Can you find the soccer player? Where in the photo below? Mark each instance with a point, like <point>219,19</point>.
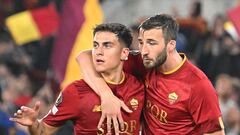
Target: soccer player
<point>79,103</point>
<point>180,99</point>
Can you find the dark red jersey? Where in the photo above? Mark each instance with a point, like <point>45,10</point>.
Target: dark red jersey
<point>180,102</point>
<point>79,103</point>
<point>134,66</point>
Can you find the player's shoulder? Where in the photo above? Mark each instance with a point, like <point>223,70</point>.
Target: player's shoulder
<point>80,83</point>
<point>133,82</point>
<point>131,78</point>
<point>77,86</point>
<point>199,81</point>
<point>195,74</point>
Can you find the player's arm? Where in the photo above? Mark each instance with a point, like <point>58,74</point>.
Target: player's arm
<point>28,117</point>
<point>221,132</point>
<point>205,109</point>
<point>90,75</point>
<point>110,104</point>
<point>41,128</point>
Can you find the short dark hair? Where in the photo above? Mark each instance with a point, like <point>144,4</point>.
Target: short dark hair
<point>122,32</point>
<point>165,22</point>
<point>197,9</point>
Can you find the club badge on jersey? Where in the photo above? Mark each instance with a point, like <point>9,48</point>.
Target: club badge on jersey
<point>172,97</point>
<point>134,103</point>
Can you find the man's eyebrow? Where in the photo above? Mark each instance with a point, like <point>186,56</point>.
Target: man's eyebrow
<point>108,42</point>
<point>151,39</point>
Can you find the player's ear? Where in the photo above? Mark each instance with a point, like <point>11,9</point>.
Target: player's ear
<point>125,53</point>
<point>171,45</point>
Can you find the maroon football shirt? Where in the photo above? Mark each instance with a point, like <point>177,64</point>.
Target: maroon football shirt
<point>79,103</point>
<point>179,102</point>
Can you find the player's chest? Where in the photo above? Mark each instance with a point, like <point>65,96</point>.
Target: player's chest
<point>91,105</point>
<point>167,99</point>
<point>91,113</point>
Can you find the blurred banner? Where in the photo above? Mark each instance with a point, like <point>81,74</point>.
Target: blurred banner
<point>32,25</point>
<point>230,28</point>
<point>78,19</point>
<point>234,17</point>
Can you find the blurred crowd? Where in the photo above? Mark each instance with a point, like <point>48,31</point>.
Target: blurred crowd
<point>26,74</point>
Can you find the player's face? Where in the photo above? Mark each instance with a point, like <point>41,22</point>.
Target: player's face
<point>107,52</point>
<point>152,47</point>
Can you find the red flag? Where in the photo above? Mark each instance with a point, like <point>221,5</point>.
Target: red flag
<point>47,19</point>
<point>78,19</point>
<point>31,25</point>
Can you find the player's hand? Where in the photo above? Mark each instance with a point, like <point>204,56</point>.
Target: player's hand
<point>111,109</point>
<point>26,116</point>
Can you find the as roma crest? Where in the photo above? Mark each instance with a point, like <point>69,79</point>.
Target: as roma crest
<point>172,97</point>
<point>134,103</point>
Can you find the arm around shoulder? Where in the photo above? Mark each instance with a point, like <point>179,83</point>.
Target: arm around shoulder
<point>110,104</point>
<point>90,75</point>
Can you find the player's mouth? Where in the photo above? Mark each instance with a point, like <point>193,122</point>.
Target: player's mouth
<point>99,61</point>
<point>146,59</point>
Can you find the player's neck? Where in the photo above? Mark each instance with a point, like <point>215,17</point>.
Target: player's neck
<point>114,77</point>
<point>174,60</point>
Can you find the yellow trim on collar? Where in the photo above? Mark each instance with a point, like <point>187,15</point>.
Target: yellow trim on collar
<point>180,65</point>
<point>111,82</point>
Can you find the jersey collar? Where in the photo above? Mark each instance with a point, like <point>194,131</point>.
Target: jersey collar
<point>114,83</point>
<point>179,66</point>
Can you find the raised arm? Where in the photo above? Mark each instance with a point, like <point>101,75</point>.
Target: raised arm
<point>28,117</point>
<point>93,79</point>
<point>110,104</point>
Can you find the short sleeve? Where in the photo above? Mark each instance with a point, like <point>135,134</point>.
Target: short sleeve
<point>204,107</point>
<point>63,108</point>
